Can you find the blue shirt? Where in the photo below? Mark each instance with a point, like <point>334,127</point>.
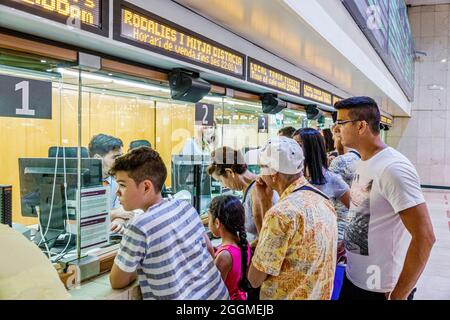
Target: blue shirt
<point>167,248</point>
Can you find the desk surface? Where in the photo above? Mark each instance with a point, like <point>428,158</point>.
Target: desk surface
<point>99,288</point>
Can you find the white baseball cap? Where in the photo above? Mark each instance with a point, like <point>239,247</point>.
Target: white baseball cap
<point>283,155</point>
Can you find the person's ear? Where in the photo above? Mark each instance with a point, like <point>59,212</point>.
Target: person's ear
<point>274,176</point>
<point>217,223</point>
<point>147,186</point>
<point>97,156</point>
<point>363,127</point>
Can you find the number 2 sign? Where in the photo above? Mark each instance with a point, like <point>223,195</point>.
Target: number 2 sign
<point>25,98</point>
<point>204,114</point>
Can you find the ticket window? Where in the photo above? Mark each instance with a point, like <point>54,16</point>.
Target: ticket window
<point>39,123</point>
<point>287,118</point>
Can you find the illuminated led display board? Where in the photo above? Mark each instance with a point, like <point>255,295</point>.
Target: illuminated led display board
<point>386,25</point>
<point>316,94</point>
<point>88,15</point>
<point>260,73</point>
<point>336,99</point>
<point>143,29</point>
<point>387,121</point>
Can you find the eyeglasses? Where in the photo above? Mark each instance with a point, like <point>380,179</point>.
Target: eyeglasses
<point>342,122</point>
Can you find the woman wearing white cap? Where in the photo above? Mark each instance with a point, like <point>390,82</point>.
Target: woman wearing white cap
<point>230,169</point>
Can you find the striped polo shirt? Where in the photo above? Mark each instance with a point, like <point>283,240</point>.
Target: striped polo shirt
<point>167,248</point>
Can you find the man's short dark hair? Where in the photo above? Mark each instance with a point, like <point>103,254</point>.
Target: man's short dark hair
<point>362,108</point>
<point>101,144</point>
<point>140,143</point>
<point>141,164</point>
<point>286,132</point>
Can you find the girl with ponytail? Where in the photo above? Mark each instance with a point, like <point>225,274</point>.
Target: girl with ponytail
<point>232,257</point>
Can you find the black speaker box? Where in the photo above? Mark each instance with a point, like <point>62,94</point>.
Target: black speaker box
<point>312,112</point>
<point>188,87</point>
<point>272,104</point>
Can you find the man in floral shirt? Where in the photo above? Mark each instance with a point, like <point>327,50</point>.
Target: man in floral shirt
<point>296,254</point>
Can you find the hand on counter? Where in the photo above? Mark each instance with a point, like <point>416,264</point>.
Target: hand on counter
<point>120,213</point>
<point>118,225</point>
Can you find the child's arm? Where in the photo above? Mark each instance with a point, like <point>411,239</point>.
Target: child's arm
<point>209,245</point>
<point>224,263</point>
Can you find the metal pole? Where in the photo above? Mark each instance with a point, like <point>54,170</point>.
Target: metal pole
<point>79,164</point>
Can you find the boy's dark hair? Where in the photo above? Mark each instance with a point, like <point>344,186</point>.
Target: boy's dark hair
<point>141,164</point>
<point>287,132</point>
<point>362,108</point>
<point>231,213</point>
<point>315,155</point>
<point>101,144</point>
<point>226,158</point>
<point>139,143</point>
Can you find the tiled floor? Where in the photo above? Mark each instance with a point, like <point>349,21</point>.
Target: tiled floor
<point>435,280</point>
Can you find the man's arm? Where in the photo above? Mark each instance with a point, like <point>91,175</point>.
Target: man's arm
<point>120,279</point>
<point>261,196</point>
<point>256,277</point>
<point>417,222</point>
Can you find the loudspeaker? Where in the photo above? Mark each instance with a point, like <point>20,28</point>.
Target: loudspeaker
<point>187,86</point>
<point>312,112</point>
<point>272,104</point>
<point>6,205</point>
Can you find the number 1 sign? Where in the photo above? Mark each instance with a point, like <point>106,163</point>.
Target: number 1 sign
<point>25,98</point>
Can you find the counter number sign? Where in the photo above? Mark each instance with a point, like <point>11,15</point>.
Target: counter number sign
<point>25,98</point>
<point>263,123</point>
<point>204,114</point>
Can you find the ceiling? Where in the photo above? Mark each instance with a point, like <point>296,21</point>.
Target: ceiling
<point>274,26</point>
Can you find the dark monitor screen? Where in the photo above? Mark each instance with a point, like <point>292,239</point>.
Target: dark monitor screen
<point>42,179</point>
<point>189,172</point>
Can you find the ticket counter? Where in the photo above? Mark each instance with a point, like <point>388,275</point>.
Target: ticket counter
<point>55,108</point>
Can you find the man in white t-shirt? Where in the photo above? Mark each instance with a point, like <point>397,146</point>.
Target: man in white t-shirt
<point>386,204</point>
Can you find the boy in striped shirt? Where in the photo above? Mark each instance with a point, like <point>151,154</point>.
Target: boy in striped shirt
<point>166,247</point>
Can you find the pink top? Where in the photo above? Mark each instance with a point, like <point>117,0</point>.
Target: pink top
<point>234,275</point>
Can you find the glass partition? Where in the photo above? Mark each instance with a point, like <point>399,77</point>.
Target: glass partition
<point>57,173</point>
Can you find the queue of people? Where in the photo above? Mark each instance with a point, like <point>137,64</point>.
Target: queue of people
<point>284,239</point>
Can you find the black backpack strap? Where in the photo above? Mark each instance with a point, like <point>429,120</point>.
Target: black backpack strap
<point>247,190</point>
<point>355,152</point>
<point>308,188</point>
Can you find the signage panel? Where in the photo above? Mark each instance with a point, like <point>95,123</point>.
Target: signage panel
<point>143,29</point>
<point>316,94</point>
<point>88,15</point>
<point>260,73</point>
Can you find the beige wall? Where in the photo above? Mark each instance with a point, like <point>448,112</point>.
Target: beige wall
<point>425,137</point>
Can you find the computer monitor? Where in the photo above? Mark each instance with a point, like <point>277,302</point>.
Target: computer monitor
<point>67,152</point>
<point>189,172</point>
<point>42,186</point>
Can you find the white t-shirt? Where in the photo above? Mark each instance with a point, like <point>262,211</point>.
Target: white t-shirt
<point>376,239</point>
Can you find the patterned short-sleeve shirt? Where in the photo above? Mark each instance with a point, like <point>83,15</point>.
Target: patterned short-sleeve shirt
<point>297,246</point>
